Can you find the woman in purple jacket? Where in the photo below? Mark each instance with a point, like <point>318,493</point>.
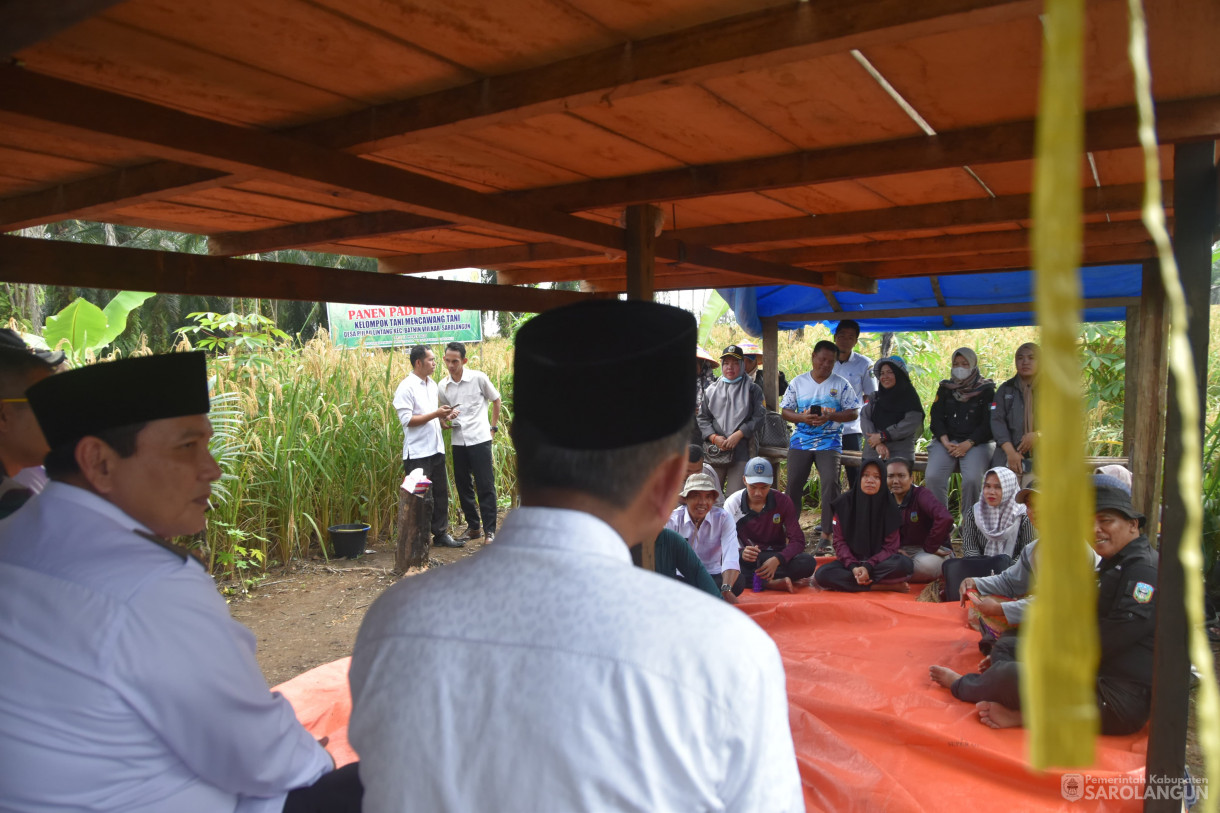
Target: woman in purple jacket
<point>867,532</point>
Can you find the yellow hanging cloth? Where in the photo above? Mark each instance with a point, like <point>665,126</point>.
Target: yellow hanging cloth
<point>1059,641</point>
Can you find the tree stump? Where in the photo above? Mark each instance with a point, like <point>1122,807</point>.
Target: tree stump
<point>414,542</point>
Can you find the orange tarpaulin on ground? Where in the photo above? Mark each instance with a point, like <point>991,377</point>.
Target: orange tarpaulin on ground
<point>872,732</point>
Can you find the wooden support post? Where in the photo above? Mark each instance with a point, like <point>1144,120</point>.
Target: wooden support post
<point>1131,376</point>
<point>414,540</point>
<point>770,341</point>
<point>641,222</point>
<point>1194,170</point>
<point>1146,392</point>
<point>940,299</point>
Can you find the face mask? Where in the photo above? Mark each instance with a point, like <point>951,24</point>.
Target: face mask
<point>961,373</point>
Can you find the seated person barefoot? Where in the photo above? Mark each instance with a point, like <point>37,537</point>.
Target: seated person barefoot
<point>674,557</point>
<point>1126,618</point>
<point>769,531</point>
<point>926,524</point>
<point>710,531</point>
<point>867,533</point>
<point>994,532</point>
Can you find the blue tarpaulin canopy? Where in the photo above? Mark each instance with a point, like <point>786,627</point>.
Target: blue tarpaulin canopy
<point>752,305</point>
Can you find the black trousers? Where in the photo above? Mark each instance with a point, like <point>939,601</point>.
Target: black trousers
<point>834,575</point>
<point>339,791</point>
<point>434,469</point>
<point>473,472</point>
<point>801,567</point>
<point>957,570</point>
<point>1124,705</point>
<point>851,443</point>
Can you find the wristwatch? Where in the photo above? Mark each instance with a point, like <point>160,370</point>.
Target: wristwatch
<point>495,429</point>
<point>724,588</point>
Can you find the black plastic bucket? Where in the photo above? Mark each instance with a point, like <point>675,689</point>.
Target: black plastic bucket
<point>347,541</point>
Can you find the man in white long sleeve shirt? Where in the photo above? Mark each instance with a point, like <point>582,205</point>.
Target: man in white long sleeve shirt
<point>127,685</point>
<point>710,531</point>
<point>547,673</point>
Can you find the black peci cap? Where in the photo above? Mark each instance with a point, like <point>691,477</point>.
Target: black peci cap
<point>92,399</point>
<point>579,377</point>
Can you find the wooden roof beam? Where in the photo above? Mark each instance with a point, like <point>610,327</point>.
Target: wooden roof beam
<point>788,33</point>
<point>52,262</point>
<point>949,311</point>
<point>990,242</point>
<point>1115,128</point>
<point>183,137</point>
<point>28,22</point>
<point>1000,261</point>
<point>219,146</point>
<point>318,232</point>
<point>495,257</point>
<point>977,212</point>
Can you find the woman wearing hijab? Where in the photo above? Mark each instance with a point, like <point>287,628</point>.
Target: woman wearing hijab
<point>994,532</point>
<point>1012,420</point>
<point>894,418</point>
<point>961,430</point>
<point>866,533</point>
<point>729,416</point>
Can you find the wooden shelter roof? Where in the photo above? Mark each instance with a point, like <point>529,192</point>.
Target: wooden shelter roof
<point>827,143</point>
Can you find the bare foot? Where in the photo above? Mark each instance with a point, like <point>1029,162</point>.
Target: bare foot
<point>997,716</point>
<point>781,584</point>
<point>985,664</point>
<point>805,582</point>
<point>943,675</point>
<point>893,587</point>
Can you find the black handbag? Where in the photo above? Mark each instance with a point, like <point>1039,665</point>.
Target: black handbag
<point>773,436</point>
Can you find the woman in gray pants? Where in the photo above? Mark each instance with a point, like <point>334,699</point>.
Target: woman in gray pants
<point>961,430</point>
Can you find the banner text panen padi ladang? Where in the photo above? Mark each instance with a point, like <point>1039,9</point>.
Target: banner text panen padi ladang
<point>393,310</point>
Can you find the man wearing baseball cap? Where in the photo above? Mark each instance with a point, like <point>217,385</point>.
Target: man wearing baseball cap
<point>547,672</point>
<point>709,530</point>
<point>128,686</point>
<point>769,532</point>
<point>1126,618</point>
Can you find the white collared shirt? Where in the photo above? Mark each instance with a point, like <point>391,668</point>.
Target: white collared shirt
<point>715,540</point>
<point>418,396</point>
<point>858,371</point>
<point>127,684</point>
<point>471,397</point>
<point>602,687</point>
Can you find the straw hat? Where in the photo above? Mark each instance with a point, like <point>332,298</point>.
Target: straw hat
<point>700,353</point>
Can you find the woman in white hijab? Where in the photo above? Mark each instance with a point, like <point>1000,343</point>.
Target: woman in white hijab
<point>994,531</point>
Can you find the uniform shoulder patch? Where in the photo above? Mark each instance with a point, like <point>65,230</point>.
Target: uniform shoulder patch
<point>776,519</point>
<point>914,516</point>
<point>1143,592</point>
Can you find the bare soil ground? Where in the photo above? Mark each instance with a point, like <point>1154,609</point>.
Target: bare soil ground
<point>308,613</point>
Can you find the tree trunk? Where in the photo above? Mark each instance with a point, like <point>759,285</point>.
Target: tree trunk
<point>887,342</point>
<point>414,541</point>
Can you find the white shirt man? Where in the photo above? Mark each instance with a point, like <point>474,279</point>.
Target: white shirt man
<point>470,392</point>
<point>417,402</point>
<point>572,680</point>
<point>709,530</point>
<point>127,685</point>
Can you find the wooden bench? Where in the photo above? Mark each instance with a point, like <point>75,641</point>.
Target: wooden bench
<point>921,460</point>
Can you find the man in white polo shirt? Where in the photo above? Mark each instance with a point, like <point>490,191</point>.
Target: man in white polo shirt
<point>469,392</point>
<point>417,403</point>
<point>858,370</point>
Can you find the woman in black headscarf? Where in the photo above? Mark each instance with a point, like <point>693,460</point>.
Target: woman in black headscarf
<point>866,538</point>
<point>893,419</point>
